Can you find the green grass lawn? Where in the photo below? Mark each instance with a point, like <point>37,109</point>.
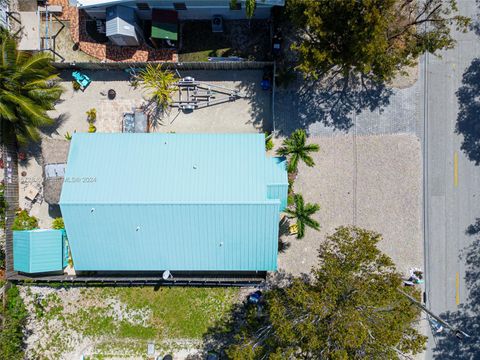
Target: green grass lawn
<point>180,312</point>
<point>123,320</point>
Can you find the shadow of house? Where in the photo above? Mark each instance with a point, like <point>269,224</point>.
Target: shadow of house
<point>467,318</point>
<point>332,101</point>
<point>468,115</point>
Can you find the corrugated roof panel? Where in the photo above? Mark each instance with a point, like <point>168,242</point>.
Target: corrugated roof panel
<point>107,168</point>
<point>204,237</point>
<point>37,251</point>
<point>172,202</point>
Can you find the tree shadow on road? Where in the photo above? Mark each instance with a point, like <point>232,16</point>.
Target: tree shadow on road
<point>331,101</point>
<point>468,123</point>
<point>467,318</point>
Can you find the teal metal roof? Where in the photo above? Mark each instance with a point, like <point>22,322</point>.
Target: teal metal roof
<point>37,251</point>
<point>173,202</point>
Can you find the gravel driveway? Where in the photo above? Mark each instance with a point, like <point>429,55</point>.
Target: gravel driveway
<point>376,184</point>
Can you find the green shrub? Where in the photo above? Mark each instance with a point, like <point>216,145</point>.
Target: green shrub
<point>268,142</point>
<point>58,224</point>
<point>23,221</point>
<point>290,200</point>
<point>91,115</point>
<point>92,128</point>
<point>11,336</point>
<point>75,85</point>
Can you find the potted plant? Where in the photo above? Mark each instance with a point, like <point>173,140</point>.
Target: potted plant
<point>22,156</point>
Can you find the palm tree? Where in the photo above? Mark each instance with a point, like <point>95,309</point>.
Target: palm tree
<point>160,84</point>
<point>297,149</point>
<point>28,89</point>
<point>303,212</point>
<point>250,6</point>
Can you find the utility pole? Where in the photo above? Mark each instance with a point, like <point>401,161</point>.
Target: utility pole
<point>457,332</point>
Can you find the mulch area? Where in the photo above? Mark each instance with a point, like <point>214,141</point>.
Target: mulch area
<point>107,52</point>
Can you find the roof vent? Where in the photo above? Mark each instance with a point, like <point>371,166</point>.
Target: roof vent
<point>92,210</point>
<point>195,167</point>
<point>138,228</point>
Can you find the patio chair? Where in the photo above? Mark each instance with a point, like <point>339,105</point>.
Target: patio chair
<point>82,79</point>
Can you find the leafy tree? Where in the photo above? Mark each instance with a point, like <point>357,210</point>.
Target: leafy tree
<point>297,149</point>
<point>11,335</point>
<point>28,89</point>
<point>23,221</point>
<point>160,85</point>
<point>303,214</point>
<point>350,309</point>
<point>58,224</point>
<point>370,37</point>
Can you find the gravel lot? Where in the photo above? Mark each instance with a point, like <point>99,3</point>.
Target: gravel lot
<point>377,187</point>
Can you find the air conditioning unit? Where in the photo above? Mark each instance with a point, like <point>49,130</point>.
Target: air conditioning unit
<point>217,24</point>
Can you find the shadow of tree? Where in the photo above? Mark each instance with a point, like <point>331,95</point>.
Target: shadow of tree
<point>467,318</point>
<point>469,104</point>
<point>331,101</point>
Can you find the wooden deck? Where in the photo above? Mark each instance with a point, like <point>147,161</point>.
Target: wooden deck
<point>11,196</point>
<point>141,279</point>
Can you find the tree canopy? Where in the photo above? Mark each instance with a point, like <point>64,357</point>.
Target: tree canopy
<point>28,89</point>
<point>370,37</point>
<point>350,309</point>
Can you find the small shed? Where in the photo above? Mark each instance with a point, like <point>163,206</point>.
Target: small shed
<point>39,251</point>
<point>121,27</point>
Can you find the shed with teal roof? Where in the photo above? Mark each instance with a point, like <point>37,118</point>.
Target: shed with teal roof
<point>39,251</point>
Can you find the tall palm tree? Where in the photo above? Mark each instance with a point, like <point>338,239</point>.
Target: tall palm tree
<point>297,149</point>
<point>28,89</point>
<point>303,214</point>
<point>160,84</point>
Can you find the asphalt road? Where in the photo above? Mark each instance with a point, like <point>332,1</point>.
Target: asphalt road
<point>452,181</point>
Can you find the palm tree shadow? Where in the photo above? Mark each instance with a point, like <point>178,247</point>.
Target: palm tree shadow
<point>467,317</point>
<point>283,232</point>
<point>469,104</point>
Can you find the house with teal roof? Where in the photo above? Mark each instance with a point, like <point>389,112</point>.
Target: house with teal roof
<point>176,202</point>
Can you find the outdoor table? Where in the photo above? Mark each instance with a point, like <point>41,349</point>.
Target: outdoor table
<point>31,192</point>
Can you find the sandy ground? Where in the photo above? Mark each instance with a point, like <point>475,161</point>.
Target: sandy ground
<point>377,187</point>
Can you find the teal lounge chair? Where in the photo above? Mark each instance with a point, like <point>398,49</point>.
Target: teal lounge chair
<point>82,79</point>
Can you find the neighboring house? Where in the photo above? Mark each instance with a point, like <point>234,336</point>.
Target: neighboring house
<point>177,202</point>
<point>187,9</point>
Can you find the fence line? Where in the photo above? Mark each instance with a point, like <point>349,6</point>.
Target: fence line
<point>203,65</point>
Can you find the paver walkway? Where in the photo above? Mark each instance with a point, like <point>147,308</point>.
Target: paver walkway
<point>383,111</point>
